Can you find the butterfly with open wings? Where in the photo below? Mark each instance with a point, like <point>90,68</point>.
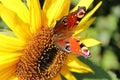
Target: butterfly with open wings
<point>64,30</point>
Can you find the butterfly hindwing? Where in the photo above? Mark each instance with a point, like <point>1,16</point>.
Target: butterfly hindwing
<point>75,46</point>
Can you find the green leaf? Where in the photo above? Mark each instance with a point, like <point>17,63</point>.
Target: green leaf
<point>3,25</point>
<point>99,73</point>
<point>74,2</point>
<point>113,76</point>
<point>7,32</point>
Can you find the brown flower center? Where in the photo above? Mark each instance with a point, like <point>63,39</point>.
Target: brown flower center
<point>42,60</point>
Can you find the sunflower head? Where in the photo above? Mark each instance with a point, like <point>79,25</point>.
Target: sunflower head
<point>41,59</point>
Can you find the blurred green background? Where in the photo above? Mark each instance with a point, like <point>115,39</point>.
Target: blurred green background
<point>105,60</point>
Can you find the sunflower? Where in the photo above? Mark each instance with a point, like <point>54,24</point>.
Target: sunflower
<point>31,54</point>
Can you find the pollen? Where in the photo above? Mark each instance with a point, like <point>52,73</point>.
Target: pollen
<point>41,60</point>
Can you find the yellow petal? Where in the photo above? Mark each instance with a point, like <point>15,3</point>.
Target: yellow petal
<point>28,3</point>
<point>18,7</point>
<point>8,44</point>
<point>85,3</point>
<point>76,65</point>
<point>14,78</point>
<point>55,9</point>
<point>8,59</point>
<point>11,58</point>
<point>46,12</point>
<point>44,19</point>
<point>63,10</point>
<point>58,77</point>
<point>7,32</point>
<point>80,29</point>
<point>68,75</point>
<point>89,42</point>
<point>7,74</point>
<point>35,15</point>
<point>87,16</point>
<point>20,28</point>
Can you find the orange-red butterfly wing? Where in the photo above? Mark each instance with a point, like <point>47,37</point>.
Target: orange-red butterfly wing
<point>75,46</point>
